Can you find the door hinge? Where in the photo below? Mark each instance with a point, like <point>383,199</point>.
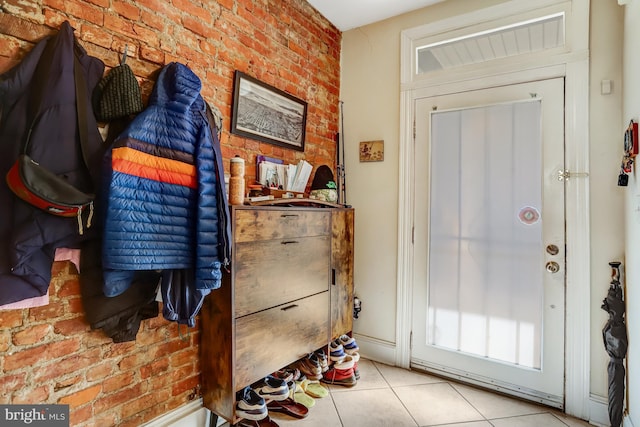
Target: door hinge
<point>414,129</point>
<point>413,235</point>
<point>411,340</point>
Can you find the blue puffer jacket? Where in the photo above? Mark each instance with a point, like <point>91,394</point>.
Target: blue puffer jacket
<point>165,205</point>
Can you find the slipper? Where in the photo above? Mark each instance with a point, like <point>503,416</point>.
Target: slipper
<point>313,388</point>
<point>300,396</point>
<point>289,407</point>
<point>265,422</point>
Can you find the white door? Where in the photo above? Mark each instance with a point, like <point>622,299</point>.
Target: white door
<point>489,260</point>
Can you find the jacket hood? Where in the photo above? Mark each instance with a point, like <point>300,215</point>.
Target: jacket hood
<point>177,87</point>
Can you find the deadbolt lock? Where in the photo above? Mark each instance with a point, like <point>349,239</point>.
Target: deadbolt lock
<point>553,267</point>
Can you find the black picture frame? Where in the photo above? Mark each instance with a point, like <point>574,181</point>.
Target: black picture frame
<point>267,114</point>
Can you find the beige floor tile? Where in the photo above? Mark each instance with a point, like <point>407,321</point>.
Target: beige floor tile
<point>438,403</point>
<point>471,424</point>
<point>370,378</point>
<point>493,405</point>
<point>538,420</point>
<point>397,377</point>
<point>371,408</point>
<point>570,421</point>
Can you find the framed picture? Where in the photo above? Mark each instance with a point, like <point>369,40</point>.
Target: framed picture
<point>265,113</point>
<point>372,151</point>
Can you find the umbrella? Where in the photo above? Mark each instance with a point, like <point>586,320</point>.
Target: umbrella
<point>614,335</point>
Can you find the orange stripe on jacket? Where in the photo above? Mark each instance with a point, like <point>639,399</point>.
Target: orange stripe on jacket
<point>137,163</point>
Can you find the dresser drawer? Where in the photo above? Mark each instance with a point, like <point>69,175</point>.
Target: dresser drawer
<point>272,272</point>
<point>267,224</point>
<point>271,339</point>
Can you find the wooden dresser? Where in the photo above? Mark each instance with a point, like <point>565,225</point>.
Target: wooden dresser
<point>289,293</point>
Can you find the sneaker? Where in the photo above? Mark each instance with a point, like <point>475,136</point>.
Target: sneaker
<point>336,351</point>
<point>346,363</point>
<point>344,377</point>
<point>310,367</point>
<point>287,374</point>
<point>250,405</point>
<point>324,361</point>
<point>356,371</point>
<point>349,344</point>
<point>272,388</point>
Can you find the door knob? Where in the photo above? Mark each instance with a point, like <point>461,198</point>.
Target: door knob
<point>553,267</point>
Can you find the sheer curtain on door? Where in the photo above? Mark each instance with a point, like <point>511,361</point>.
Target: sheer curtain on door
<point>485,232</point>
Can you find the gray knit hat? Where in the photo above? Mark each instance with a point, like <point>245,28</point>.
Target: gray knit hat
<point>117,94</point>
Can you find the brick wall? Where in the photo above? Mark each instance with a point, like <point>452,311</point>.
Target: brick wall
<point>49,354</point>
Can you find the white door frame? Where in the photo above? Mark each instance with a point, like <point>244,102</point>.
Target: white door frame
<point>572,63</point>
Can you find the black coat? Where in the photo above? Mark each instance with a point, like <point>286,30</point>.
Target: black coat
<point>28,236</point>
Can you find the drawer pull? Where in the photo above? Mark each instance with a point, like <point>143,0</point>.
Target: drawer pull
<point>287,242</point>
<point>289,307</point>
<point>289,216</point>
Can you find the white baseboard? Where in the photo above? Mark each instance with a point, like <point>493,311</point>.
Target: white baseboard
<point>375,349</point>
<point>598,411</point>
<point>193,414</point>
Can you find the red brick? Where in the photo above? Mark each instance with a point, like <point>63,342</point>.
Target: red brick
<point>32,356</point>
<point>66,383</point>
<point>117,382</point>
<point>22,7</point>
<point>153,55</point>
<point>10,383</point>
<point>130,362</point>
<point>31,335</point>
<point>62,367</point>
<point>80,397</point>
<point>69,287</point>
<point>187,384</point>
<point>5,340</point>
<point>11,318</point>
<point>75,326</point>
<point>79,415</point>
<point>156,397</point>
<point>101,3</point>
<point>192,9</point>
<point>36,395</point>
<point>147,337</point>
<point>154,368</point>
<point>152,20</point>
<point>100,371</point>
<point>126,10</point>
<point>162,7</point>
<point>119,349</point>
<point>187,356</point>
<point>55,308</point>
<point>118,398</point>
<point>22,29</point>
<point>198,27</point>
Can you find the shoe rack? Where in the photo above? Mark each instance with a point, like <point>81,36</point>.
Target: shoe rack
<point>289,293</point>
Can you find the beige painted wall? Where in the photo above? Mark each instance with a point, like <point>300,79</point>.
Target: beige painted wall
<point>605,134</point>
<point>371,95</point>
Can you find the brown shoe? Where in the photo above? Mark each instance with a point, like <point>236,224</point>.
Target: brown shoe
<point>310,367</point>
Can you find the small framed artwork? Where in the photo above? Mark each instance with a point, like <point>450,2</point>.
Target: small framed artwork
<point>372,151</point>
<point>267,114</point>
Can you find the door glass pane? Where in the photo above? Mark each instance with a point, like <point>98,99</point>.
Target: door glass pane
<point>485,263</point>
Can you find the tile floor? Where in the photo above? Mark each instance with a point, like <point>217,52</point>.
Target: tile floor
<point>387,396</point>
